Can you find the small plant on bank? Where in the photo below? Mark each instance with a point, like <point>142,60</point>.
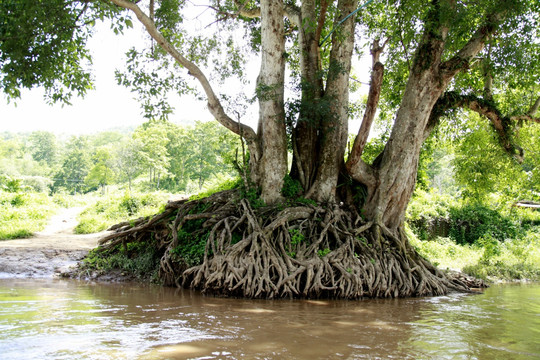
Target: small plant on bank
<point>291,187</point>
<point>296,236</point>
<point>139,260</point>
<point>324,252</point>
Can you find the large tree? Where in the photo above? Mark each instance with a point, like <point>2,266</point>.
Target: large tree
<point>440,55</point>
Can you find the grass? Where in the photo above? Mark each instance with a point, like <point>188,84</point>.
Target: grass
<point>489,259</point>
<point>515,259</point>
<point>115,208</point>
<point>22,214</point>
<point>492,241</point>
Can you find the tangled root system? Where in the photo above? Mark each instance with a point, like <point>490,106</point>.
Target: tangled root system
<point>296,251</point>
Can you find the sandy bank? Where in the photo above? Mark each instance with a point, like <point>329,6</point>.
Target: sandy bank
<point>48,253</point>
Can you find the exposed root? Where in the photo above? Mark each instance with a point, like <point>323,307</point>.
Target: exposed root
<point>302,251</point>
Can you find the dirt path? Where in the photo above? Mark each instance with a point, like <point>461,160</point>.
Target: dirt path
<point>48,253</point>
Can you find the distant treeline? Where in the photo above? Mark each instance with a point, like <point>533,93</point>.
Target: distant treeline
<point>156,155</point>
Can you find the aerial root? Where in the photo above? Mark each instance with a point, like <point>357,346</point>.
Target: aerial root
<point>303,251</point>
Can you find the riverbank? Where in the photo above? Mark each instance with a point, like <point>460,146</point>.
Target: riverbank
<point>48,253</point>
<point>57,250</point>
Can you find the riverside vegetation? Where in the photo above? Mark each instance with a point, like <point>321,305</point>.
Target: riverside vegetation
<point>477,232</point>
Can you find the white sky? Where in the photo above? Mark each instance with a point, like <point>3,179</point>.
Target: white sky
<point>109,105</point>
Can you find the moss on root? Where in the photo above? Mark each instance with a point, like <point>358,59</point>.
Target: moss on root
<point>221,245</point>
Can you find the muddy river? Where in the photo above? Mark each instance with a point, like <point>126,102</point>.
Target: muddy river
<point>60,319</point>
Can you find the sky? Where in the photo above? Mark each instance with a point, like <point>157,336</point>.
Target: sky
<point>109,105</point>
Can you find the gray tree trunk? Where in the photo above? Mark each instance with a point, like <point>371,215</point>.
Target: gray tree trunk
<point>334,128</point>
<point>272,166</point>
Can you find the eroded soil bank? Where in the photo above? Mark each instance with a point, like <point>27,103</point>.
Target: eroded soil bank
<point>51,252</point>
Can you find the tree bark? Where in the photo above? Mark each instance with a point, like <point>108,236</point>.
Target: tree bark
<point>334,128</point>
<point>270,88</point>
<point>305,134</point>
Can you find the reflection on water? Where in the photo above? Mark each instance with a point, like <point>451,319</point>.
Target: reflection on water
<point>58,319</point>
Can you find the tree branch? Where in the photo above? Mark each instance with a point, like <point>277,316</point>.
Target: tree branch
<point>322,18</point>
<point>291,12</point>
<point>462,60</point>
<point>525,117</point>
<point>371,108</point>
<point>214,105</point>
<point>501,123</point>
<point>249,13</point>
<point>534,108</point>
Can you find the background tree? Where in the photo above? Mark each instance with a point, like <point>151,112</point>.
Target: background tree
<point>179,147</point>
<point>43,44</point>
<point>101,172</point>
<point>75,166</point>
<point>128,160</point>
<point>209,144</point>
<point>154,155</point>
<point>44,147</point>
<point>16,158</point>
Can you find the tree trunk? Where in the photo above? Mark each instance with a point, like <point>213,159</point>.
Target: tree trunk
<point>334,127</point>
<point>305,133</point>
<point>272,166</point>
<point>387,202</point>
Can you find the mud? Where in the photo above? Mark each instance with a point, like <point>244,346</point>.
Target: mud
<point>49,253</point>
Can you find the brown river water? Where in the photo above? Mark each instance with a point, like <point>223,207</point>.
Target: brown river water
<point>62,319</point>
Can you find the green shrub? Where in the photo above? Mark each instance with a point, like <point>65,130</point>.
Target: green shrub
<point>19,200</point>
<point>37,183</point>
<point>471,222</point>
<point>488,259</point>
<point>428,214</point>
<point>444,253</point>
<point>190,249</point>
<point>323,252</point>
<point>252,194</point>
<point>90,225</point>
<point>130,205</point>
<point>291,187</point>
<point>296,236</point>
<point>10,184</point>
<point>513,259</point>
<point>139,259</point>
<point>192,239</point>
